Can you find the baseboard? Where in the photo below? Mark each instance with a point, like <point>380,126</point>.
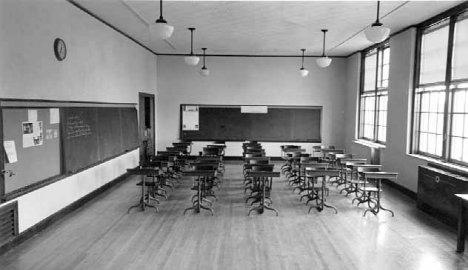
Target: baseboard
<point>22,237</point>
<point>413,195</point>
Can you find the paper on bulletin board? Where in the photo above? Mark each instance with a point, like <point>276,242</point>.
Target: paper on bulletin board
<point>10,151</point>
<point>32,134</point>
<point>32,115</point>
<point>190,118</point>
<point>54,116</point>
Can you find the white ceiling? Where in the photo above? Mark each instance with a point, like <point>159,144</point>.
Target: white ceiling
<point>261,27</point>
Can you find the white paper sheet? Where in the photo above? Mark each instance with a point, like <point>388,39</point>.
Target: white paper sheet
<point>190,118</point>
<point>10,151</point>
<point>54,115</point>
<point>32,115</point>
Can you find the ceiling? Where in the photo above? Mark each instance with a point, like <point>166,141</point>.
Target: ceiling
<point>261,27</point>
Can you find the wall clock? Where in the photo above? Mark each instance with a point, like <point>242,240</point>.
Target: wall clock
<point>60,49</point>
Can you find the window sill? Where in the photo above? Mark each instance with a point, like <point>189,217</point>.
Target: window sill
<point>442,163</point>
<point>370,144</point>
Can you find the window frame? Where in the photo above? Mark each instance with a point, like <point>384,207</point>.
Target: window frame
<point>378,92</point>
<point>452,16</point>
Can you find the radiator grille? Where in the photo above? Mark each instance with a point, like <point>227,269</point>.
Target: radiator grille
<point>8,222</point>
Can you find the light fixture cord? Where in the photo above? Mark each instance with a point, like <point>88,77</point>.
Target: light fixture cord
<point>303,58</point>
<point>160,10</point>
<point>204,50</point>
<point>378,9</point>
<point>323,51</point>
<point>191,41</point>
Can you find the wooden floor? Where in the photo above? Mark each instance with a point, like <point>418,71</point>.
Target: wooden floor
<point>101,235</point>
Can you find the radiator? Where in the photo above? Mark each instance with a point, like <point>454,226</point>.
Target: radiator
<point>8,222</point>
<point>436,189</point>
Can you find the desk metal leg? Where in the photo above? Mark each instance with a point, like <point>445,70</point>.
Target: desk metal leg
<point>461,227</point>
<point>321,202</point>
<point>376,209</point>
<point>143,204</point>
<point>198,203</point>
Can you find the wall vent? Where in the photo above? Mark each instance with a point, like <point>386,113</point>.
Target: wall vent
<point>8,222</point>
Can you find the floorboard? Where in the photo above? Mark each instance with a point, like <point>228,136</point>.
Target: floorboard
<point>101,235</point>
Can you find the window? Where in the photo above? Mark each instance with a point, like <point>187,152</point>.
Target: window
<point>440,125</point>
<point>374,94</point>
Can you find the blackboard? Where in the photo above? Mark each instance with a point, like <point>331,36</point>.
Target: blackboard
<point>34,162</point>
<point>278,124</point>
<point>95,134</point>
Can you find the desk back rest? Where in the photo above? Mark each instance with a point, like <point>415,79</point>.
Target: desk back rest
<point>251,155</point>
<point>204,166</point>
<point>369,168</point>
<point>209,158</point>
<point>265,160</point>
<point>355,162</point>
<point>181,149</point>
<point>262,167</point>
<point>338,156</point>
<point>323,172</point>
<point>315,166</point>
<point>309,159</point>
<point>208,151</point>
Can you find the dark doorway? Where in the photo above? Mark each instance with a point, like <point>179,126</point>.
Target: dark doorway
<point>147,126</point>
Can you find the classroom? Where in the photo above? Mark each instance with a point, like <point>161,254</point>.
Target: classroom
<point>133,141</point>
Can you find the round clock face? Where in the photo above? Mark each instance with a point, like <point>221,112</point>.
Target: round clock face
<point>60,49</point>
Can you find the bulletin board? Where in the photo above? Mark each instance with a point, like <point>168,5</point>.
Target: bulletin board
<point>38,157</point>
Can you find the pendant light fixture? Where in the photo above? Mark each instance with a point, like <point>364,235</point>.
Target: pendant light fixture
<point>377,32</point>
<point>323,61</point>
<point>191,60</point>
<point>303,72</point>
<point>204,71</point>
<point>160,29</point>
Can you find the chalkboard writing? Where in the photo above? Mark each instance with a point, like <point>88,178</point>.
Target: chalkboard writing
<point>76,127</point>
<point>95,134</point>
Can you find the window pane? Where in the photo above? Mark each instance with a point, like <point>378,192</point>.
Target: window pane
<point>460,48</point>
<point>434,53</point>
<point>441,99</point>
<point>457,150</point>
<point>439,145</point>
<point>386,56</point>
<point>423,127</point>
<point>431,143</point>
<point>423,142</point>
<point>432,126</point>
<point>457,125</point>
<point>385,72</point>
<point>369,72</point>
<point>440,123</point>
<point>425,102</point>
<point>459,101</point>
<point>382,134</point>
<point>465,150</point>
<point>433,102</point>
